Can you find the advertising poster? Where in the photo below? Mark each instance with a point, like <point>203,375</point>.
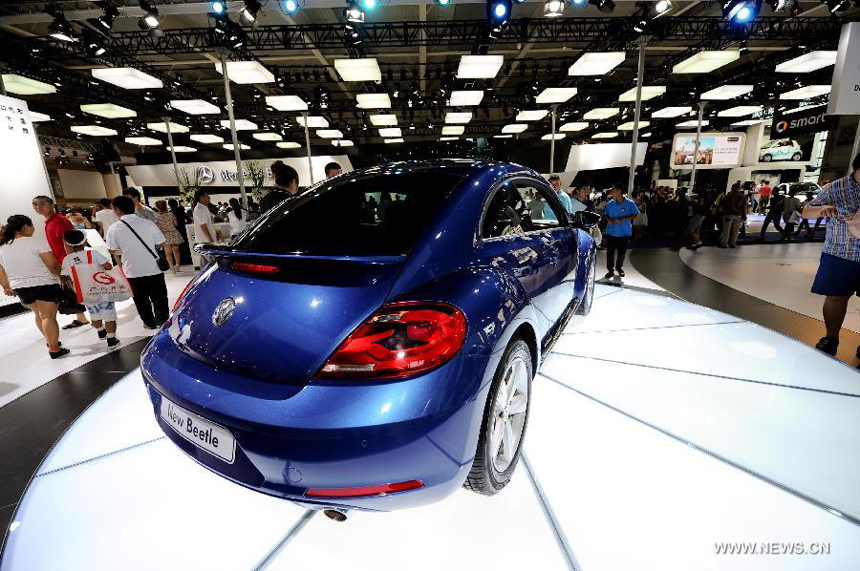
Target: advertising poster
<point>716,150</point>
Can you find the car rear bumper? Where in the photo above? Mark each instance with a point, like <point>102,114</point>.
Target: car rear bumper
<point>291,439</point>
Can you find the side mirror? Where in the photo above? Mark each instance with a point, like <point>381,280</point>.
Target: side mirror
<point>585,219</point>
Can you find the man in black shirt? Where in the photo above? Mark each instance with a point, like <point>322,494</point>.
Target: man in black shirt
<point>774,214</point>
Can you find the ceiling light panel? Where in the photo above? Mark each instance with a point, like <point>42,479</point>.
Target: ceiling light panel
<point>629,125</point>
<point>458,118</point>
<point>806,92</point>
<point>37,117</point>
<point>143,141</point>
<point>740,111</point>
<point>601,113</point>
<point>160,127</point>
<point>465,98</point>
<point>108,110</point>
<point>128,78</point>
<point>535,115</point>
<point>20,85</point>
<point>390,132</point>
<point>383,120</point>
<point>508,136</point>
<point>692,123</point>
<point>670,112</point>
<point>806,63</point>
<point>706,61</point>
<point>207,139</point>
<point>373,101</point>
<point>94,131</point>
<point>555,95</point>
<point>268,136</point>
<point>195,106</point>
<point>746,122</point>
<point>596,63</point>
<point>358,69</point>
<point>479,67</point>
<point>648,92</point>
<point>605,135</point>
<point>453,130</point>
<point>514,128</point>
<point>241,125</point>
<point>289,145</point>
<point>182,149</point>
<point>329,134</point>
<point>342,143</point>
<point>449,138</point>
<point>392,141</point>
<point>314,122</point>
<point>550,136</point>
<point>287,102</point>
<point>230,147</point>
<point>574,126</point>
<point>247,72</point>
<point>725,92</point>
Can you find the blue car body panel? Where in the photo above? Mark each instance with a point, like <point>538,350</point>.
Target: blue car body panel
<point>255,375</point>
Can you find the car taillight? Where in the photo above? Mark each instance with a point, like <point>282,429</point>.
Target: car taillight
<point>250,267</point>
<point>181,295</point>
<point>398,340</point>
<point>379,490</point>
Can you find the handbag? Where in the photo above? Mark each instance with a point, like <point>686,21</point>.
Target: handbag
<point>69,302</point>
<point>163,265</point>
<point>95,285</point>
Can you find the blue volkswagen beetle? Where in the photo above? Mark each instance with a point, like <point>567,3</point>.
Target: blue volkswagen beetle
<point>370,344</point>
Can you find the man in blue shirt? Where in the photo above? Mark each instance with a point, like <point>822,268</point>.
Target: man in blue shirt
<point>620,213</point>
<point>555,183</point>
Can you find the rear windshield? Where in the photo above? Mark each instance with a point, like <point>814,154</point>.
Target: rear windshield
<point>369,215</point>
<point>807,187</point>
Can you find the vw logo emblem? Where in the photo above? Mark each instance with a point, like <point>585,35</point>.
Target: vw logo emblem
<point>205,174</point>
<point>223,312</point>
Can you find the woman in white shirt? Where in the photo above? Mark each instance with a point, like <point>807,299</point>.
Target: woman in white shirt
<point>29,270</point>
<point>237,218</point>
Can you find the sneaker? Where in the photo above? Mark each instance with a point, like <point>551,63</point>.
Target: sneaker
<point>57,354</point>
<point>620,273</point>
<point>828,345</point>
<point>609,275</point>
<point>74,324</point>
<point>112,341</point>
<point>102,333</point>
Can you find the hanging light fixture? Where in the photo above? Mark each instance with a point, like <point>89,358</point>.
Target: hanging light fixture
<point>248,15</point>
<point>61,29</point>
<point>149,20</point>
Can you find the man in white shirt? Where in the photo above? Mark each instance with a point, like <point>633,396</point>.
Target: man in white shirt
<point>106,216</point>
<point>140,261</point>
<point>204,228</point>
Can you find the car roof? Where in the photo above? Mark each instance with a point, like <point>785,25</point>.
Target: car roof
<point>461,167</point>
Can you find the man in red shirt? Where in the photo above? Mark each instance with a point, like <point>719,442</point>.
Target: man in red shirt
<point>764,191</point>
<point>55,225</point>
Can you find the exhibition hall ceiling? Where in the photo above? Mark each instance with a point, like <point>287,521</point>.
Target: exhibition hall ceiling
<point>371,71</point>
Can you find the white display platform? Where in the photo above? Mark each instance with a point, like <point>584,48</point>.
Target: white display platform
<point>658,429</point>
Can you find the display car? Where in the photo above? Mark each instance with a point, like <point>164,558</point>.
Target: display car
<point>371,342</point>
<point>803,191</point>
<point>780,150</point>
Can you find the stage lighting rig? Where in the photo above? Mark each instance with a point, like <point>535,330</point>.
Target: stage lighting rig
<point>290,6</point>
<point>741,11</point>
<point>499,12</point>
<point>248,14</point>
<point>104,23</point>
<point>149,20</point>
<point>61,29</point>
<point>606,6</point>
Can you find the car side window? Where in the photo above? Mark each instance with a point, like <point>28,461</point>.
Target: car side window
<point>516,207</point>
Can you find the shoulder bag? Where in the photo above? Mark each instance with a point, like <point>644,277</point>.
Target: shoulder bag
<point>162,263</point>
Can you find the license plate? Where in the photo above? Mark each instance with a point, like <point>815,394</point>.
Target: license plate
<point>212,438</point>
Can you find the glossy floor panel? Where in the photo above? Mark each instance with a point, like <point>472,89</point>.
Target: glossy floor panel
<point>803,440</point>
<point>147,508</point>
<point>26,364</point>
<point>629,497</point>
<point>466,531</point>
<point>781,274</point>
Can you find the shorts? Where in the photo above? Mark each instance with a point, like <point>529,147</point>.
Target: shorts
<point>28,295</point>
<point>105,311</point>
<point>836,276</point>
<point>695,223</point>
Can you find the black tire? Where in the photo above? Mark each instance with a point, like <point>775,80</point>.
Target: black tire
<point>766,159</point>
<point>796,157</point>
<point>584,307</point>
<point>484,478</point>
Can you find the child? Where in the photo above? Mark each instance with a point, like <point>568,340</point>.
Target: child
<point>102,315</point>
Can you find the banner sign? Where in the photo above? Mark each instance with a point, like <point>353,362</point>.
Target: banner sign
<point>716,150</point>
<point>807,121</point>
<point>845,90</point>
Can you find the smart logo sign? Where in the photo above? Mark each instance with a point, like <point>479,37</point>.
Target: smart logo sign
<point>802,122</point>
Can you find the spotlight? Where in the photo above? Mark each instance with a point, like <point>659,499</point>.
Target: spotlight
<point>553,8</point>
<point>104,23</point>
<point>248,15</point>
<point>291,6</point>
<point>837,5</point>
<point>60,29</point>
<point>47,151</point>
<point>443,3</point>
<point>740,11</point>
<point>149,21</point>
<point>663,7</point>
<point>93,44</point>
<point>498,11</point>
<point>640,26</point>
<point>352,13</point>
<point>368,4</point>
<point>604,5</point>
<point>579,3</point>
<point>219,8</point>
